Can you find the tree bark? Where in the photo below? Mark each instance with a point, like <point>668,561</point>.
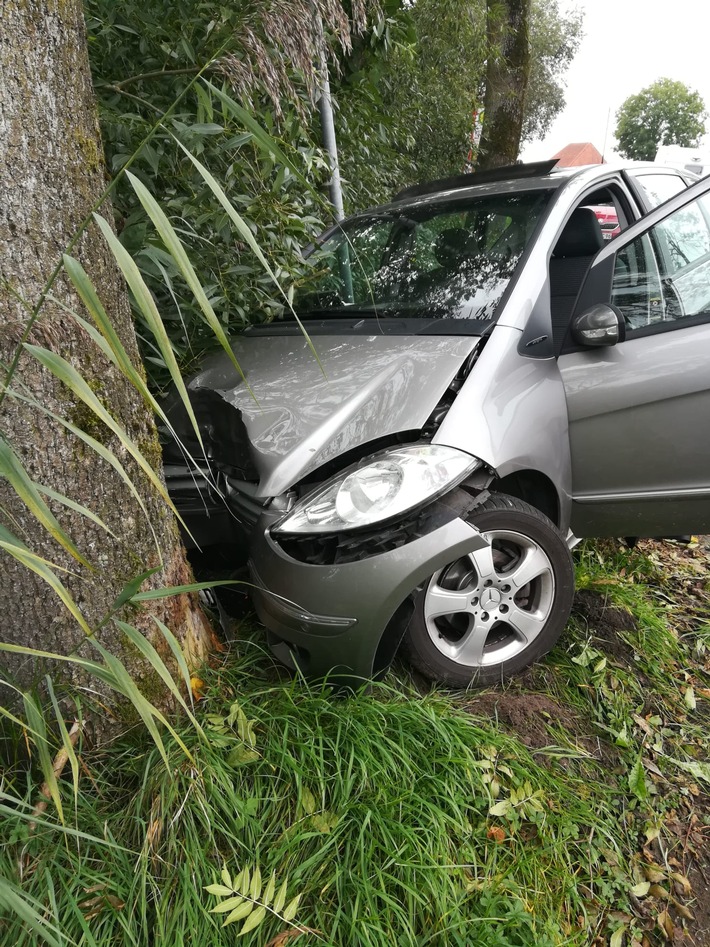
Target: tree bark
<point>507,73</point>
<point>51,174</point>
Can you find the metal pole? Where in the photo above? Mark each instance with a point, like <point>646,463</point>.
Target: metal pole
<point>325,106</point>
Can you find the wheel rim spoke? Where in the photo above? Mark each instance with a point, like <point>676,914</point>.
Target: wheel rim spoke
<point>469,650</point>
<point>527,624</point>
<point>533,564</point>
<point>482,560</point>
<point>442,601</point>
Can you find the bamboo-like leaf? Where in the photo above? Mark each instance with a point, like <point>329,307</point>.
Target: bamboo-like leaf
<point>179,656</point>
<point>45,570</point>
<point>255,887</point>
<point>141,643</point>
<point>270,889</point>
<point>291,908</point>
<point>149,713</point>
<point>76,507</point>
<point>178,253</point>
<point>253,921</point>
<point>87,293</point>
<point>116,353</point>
<point>261,137</point>
<point>238,913</point>
<point>24,487</point>
<point>67,374</point>
<point>248,237</point>
<point>66,739</point>
<point>149,310</point>
<point>130,589</point>
<point>35,718</point>
<point>104,452</point>
<point>281,897</point>
<point>152,594</point>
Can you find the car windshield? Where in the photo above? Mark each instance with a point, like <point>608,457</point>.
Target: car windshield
<point>447,261</point>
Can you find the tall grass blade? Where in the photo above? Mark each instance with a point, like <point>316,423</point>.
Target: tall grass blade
<point>67,374</point>
<point>44,569</point>
<point>104,452</point>
<point>15,901</point>
<point>35,718</point>
<point>177,251</point>
<point>148,712</point>
<point>64,734</point>
<point>149,310</point>
<point>179,656</point>
<point>18,478</point>
<point>141,643</point>
<point>248,238</point>
<point>152,594</point>
<point>76,507</point>
<point>88,295</point>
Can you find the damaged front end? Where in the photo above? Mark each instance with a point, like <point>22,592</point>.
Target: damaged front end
<point>377,515</point>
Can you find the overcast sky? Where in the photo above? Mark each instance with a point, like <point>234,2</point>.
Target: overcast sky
<point>627,45</point>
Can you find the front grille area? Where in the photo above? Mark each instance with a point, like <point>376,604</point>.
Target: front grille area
<point>244,505</point>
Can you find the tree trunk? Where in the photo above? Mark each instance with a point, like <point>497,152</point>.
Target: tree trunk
<point>507,72</point>
<point>51,174</point>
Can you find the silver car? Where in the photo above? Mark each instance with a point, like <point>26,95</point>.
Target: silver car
<point>471,379</point>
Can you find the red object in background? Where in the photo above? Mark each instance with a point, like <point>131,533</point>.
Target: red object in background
<point>608,221</point>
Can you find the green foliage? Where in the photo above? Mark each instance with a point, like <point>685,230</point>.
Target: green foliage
<point>406,112</point>
<point>665,113</point>
<point>144,58</point>
<point>246,899</point>
<point>555,39</point>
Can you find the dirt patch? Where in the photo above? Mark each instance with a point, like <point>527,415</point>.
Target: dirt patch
<point>604,621</point>
<point>529,715</point>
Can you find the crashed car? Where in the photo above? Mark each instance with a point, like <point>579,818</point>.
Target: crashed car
<point>475,380</point>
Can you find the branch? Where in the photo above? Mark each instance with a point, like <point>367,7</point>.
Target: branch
<point>157,74</point>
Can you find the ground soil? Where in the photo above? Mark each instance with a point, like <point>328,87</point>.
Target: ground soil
<point>538,720</point>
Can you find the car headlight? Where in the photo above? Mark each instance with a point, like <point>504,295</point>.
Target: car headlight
<point>389,484</point>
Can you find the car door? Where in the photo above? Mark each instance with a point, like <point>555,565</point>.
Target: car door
<point>639,410</point>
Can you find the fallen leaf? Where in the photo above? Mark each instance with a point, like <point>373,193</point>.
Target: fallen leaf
<point>496,832</point>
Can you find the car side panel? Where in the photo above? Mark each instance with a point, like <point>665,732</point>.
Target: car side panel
<point>511,413</point>
<point>638,419</point>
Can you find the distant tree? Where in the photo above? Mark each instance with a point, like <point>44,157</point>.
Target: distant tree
<point>554,41</point>
<point>664,113</point>
<point>428,82</point>
<point>507,76</point>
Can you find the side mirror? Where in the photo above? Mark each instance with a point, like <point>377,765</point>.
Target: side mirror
<point>600,325</point>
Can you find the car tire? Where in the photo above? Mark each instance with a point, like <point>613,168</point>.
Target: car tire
<point>495,611</point>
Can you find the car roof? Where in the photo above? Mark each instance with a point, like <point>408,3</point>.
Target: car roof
<point>512,179</point>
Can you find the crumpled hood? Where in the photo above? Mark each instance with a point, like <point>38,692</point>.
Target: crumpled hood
<point>369,387</point>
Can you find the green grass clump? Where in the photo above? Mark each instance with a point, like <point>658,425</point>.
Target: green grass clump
<point>389,817</point>
<point>396,817</point>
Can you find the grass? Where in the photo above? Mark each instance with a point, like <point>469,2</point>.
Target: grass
<point>399,815</point>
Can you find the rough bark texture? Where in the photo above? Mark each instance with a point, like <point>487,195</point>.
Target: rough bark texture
<point>51,173</point>
<point>507,73</point>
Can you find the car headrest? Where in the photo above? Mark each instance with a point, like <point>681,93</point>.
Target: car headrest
<point>582,235</point>
<point>451,245</point>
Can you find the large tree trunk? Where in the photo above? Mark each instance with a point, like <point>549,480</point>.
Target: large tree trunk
<point>507,72</point>
<point>51,175</point>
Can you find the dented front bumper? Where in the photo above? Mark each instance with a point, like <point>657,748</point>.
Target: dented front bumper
<point>336,619</point>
